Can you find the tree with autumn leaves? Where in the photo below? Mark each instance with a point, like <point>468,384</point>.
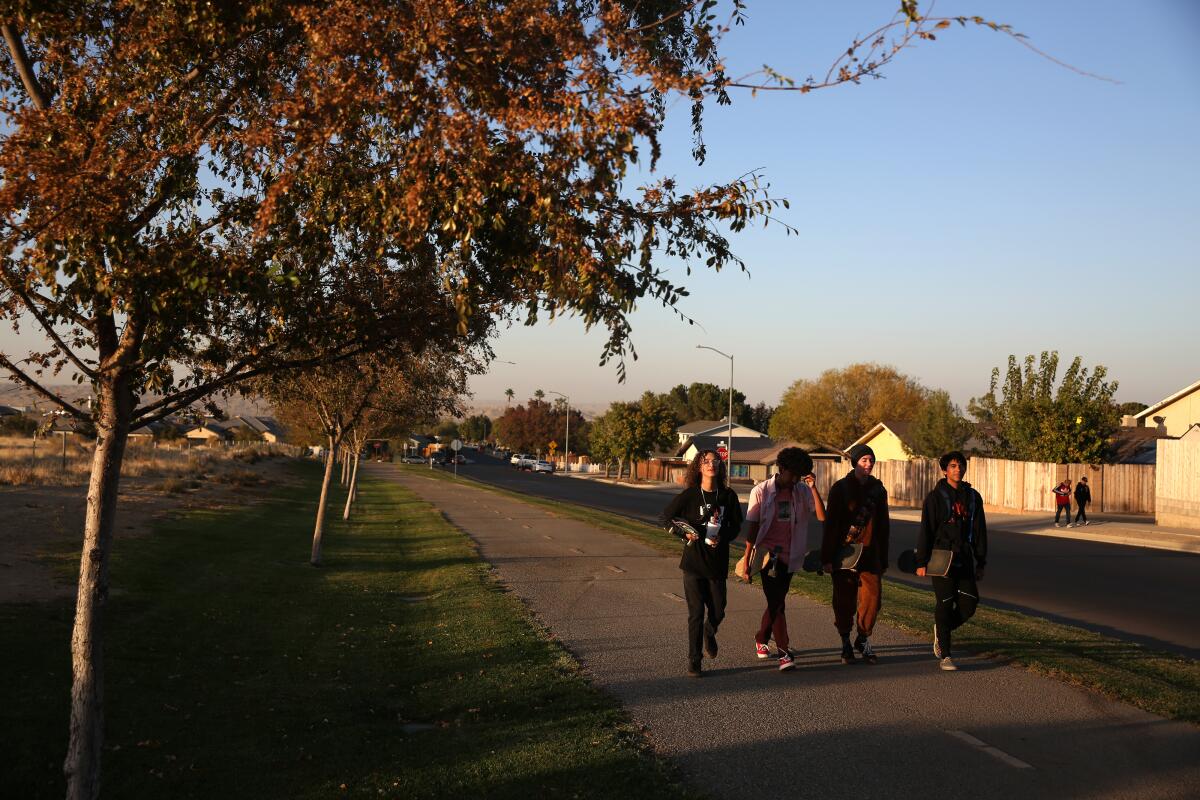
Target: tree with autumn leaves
<point>197,194</point>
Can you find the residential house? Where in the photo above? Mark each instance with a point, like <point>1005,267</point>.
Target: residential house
<point>754,458</point>
<point>418,445</point>
<point>267,427</point>
<point>715,427</point>
<point>887,439</point>
<point>1174,414</point>
<point>212,430</point>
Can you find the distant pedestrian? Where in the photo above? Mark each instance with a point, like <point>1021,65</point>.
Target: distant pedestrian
<point>713,512</point>
<point>777,523</point>
<point>1083,496</point>
<point>858,514</point>
<point>952,520</point>
<point>1062,502</point>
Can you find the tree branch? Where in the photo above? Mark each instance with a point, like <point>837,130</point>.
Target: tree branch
<point>24,65</point>
<point>169,405</point>
<point>32,308</point>
<point>20,375</point>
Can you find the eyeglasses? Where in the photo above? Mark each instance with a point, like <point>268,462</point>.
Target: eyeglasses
<point>710,462</point>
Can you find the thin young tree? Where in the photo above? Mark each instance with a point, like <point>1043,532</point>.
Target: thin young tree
<point>349,398</point>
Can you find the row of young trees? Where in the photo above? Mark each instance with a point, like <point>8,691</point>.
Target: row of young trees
<point>198,195</point>
<point>1031,416</point>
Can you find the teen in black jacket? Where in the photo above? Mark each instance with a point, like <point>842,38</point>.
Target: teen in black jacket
<point>705,566</point>
<point>952,519</point>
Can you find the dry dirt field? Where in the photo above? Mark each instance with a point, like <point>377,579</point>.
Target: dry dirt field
<point>42,506</point>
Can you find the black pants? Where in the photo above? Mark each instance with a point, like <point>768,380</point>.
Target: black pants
<point>957,596</point>
<point>1058,510</point>
<point>702,593</point>
<point>1081,513</point>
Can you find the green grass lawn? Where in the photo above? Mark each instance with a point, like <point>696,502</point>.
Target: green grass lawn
<point>399,669</point>
<point>1159,682</point>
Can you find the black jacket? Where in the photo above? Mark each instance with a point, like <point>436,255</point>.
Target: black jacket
<point>845,497</point>
<point>698,558</point>
<point>967,539</point>
<point>1082,493</point>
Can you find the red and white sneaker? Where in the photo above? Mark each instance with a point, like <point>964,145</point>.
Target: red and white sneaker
<point>761,650</point>
<point>786,660</point>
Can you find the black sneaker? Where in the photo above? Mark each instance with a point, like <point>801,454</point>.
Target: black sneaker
<point>859,641</point>
<point>847,652</point>
<point>710,641</point>
<point>694,669</point>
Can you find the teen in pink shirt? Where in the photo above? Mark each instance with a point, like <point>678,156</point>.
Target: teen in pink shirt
<point>777,522</point>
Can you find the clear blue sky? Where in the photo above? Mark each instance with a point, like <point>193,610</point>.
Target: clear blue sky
<point>979,201</point>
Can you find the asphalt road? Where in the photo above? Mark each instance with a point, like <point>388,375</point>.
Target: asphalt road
<point>1136,594</point>
<point>899,729</point>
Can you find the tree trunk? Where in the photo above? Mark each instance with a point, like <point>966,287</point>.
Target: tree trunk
<point>351,495</point>
<point>319,530</point>
<point>345,467</point>
<point>82,764</point>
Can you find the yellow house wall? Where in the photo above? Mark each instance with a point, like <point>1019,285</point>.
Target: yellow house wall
<point>887,447</point>
<point>1178,415</point>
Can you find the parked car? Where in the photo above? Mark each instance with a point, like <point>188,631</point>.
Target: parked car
<point>541,466</point>
<point>414,459</point>
<point>522,461</point>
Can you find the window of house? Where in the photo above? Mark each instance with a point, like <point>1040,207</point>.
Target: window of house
<point>739,471</point>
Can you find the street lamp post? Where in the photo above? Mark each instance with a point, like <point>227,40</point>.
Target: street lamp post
<point>567,440</point>
<point>729,444</point>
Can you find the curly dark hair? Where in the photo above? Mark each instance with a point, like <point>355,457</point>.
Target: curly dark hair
<point>795,461</point>
<point>953,455</point>
<point>693,472</point>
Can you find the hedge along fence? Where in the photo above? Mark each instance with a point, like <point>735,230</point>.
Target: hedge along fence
<point>1025,485</point>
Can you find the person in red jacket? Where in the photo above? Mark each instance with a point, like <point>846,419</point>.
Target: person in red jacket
<point>1062,502</point>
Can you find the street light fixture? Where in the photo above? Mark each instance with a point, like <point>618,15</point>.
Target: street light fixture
<point>729,444</point>
<point>567,441</point>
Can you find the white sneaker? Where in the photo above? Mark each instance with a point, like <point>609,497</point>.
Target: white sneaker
<point>937,645</point>
<point>1070,525</point>
<point>947,665</point>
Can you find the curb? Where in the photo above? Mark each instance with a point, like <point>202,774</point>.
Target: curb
<point>1156,540</point>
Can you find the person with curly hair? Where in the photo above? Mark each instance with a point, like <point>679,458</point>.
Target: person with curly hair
<point>712,517</point>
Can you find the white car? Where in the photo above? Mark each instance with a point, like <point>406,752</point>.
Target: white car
<point>542,466</point>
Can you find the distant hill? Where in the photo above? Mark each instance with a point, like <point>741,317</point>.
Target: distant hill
<point>12,394</point>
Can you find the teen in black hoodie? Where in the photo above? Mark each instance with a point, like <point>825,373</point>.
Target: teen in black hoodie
<point>952,519</point>
<point>705,567</point>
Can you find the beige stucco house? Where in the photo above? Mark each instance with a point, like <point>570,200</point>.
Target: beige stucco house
<point>1177,413</point>
<point>886,439</point>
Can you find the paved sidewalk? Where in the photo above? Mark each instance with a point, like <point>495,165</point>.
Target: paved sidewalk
<point>1137,531</point>
<point>824,729</point>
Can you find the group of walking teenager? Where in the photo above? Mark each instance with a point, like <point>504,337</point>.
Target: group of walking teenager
<point>951,549</point>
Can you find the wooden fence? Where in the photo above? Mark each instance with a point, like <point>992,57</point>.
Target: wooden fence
<point>1177,491</point>
<point>1025,485</point>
